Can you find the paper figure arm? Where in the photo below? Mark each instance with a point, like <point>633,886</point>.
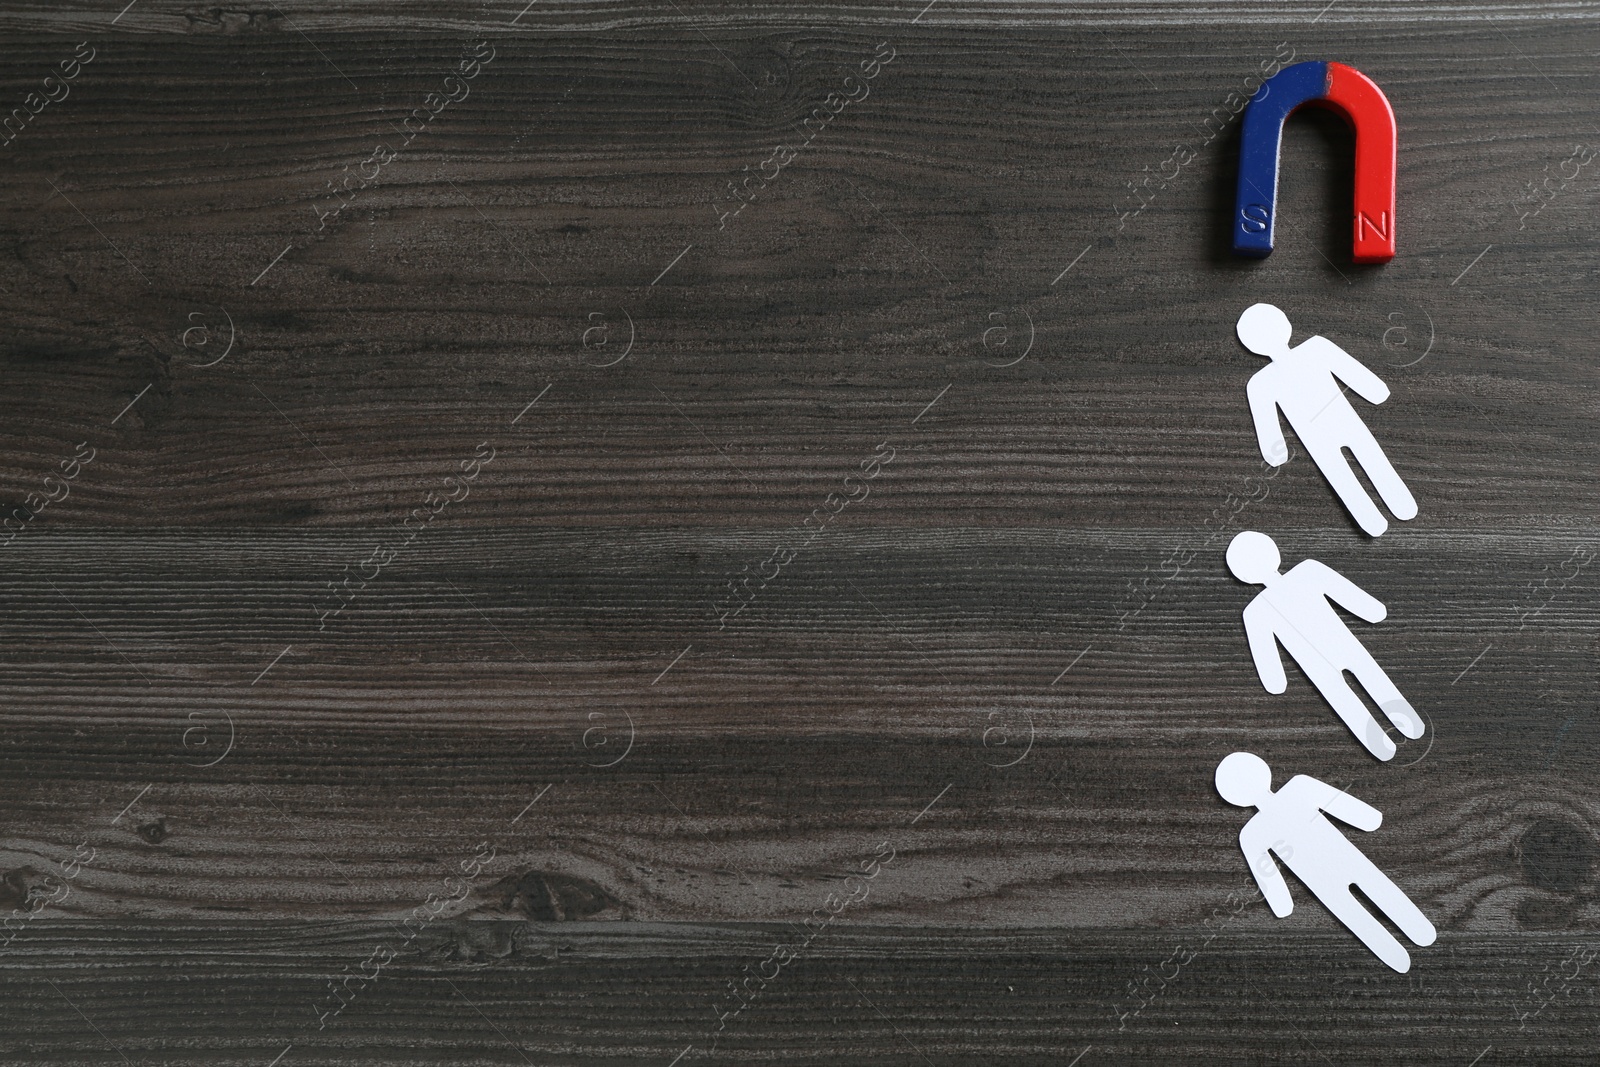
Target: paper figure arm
<point>1351,371</point>
<point>1258,854</point>
<point>1347,593</point>
<point>1341,805</point>
<point>1269,433</point>
<point>1264,647</point>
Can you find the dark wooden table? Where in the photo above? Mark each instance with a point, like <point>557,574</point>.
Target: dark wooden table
<point>520,611</point>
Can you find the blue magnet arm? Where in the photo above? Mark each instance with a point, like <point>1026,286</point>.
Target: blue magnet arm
<point>1260,138</point>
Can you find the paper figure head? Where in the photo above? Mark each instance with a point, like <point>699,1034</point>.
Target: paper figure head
<point>1253,557</point>
<point>1244,779</point>
<point>1264,330</point>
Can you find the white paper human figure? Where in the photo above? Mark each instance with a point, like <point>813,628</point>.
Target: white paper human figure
<point>1303,382</point>
<point>1290,823</point>
<point>1294,611</point>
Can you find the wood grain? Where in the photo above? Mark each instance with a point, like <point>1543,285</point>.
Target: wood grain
<point>521,993</point>
<point>1014,663</point>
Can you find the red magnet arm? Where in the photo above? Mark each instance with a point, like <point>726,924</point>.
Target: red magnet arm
<point>1368,110</point>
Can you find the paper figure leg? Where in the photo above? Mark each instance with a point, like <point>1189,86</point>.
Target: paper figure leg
<point>1393,902</point>
<point>1336,469</point>
<point>1337,692</point>
<point>1350,911</point>
<point>1381,473</point>
<point>1378,686</point>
